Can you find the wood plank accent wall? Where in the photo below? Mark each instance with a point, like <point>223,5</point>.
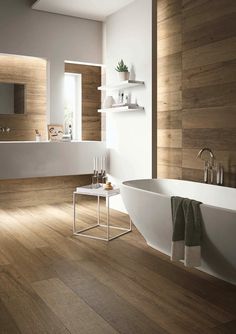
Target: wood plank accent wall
<point>196,73</point>
<point>32,73</point>
<point>91,99</point>
<point>41,190</point>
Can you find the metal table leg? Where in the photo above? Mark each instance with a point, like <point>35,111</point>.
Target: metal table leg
<point>74,200</point>
<point>98,210</point>
<point>108,219</point>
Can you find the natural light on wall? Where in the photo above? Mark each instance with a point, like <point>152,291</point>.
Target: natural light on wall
<point>73,104</point>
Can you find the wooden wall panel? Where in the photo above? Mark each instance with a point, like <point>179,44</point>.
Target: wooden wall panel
<point>91,99</point>
<point>32,73</point>
<point>209,118</point>
<point>196,86</point>
<point>210,54</point>
<point>43,190</point>
<point>169,89</point>
<point>209,32</point>
<point>168,8</point>
<point>209,75</point>
<point>169,119</point>
<point>197,12</point>
<point>210,96</point>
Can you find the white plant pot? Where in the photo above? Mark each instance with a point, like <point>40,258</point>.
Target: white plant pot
<point>123,76</point>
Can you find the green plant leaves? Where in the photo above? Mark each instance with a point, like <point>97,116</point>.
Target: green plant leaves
<point>121,67</point>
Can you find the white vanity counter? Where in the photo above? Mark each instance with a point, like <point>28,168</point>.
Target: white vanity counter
<point>24,159</point>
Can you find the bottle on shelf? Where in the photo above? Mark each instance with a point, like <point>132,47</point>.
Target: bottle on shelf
<point>70,132</point>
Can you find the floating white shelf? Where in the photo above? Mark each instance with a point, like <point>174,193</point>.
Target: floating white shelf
<point>122,85</point>
<point>120,109</point>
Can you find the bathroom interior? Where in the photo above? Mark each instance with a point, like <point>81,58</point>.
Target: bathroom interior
<point>117,166</point>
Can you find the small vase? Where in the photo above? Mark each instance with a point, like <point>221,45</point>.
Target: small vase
<point>108,102</point>
<point>123,76</point>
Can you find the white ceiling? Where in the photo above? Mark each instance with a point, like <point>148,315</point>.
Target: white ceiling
<point>89,9</point>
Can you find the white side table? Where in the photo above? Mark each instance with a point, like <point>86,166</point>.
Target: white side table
<point>99,192</point>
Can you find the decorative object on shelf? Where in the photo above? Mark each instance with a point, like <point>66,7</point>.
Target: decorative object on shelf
<point>127,99</point>
<point>66,137</point>
<point>122,70</point>
<point>99,172</point>
<point>70,132</point>
<point>55,132</point>
<point>123,102</point>
<point>108,102</point>
<point>103,170</point>
<point>121,97</point>
<point>37,135</point>
<point>95,183</point>
<point>108,186</point>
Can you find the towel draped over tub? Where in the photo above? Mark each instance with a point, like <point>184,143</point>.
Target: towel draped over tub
<point>187,231</point>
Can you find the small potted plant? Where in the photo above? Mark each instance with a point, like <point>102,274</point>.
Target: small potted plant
<point>122,70</point>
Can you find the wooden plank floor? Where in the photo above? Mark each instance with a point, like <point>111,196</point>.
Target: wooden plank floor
<point>51,282</point>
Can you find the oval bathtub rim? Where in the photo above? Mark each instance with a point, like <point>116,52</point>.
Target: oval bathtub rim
<point>185,181</point>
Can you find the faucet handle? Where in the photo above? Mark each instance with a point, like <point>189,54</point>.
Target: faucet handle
<point>206,170</point>
<point>219,173</point>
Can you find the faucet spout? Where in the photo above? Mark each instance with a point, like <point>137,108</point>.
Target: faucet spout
<point>207,149</point>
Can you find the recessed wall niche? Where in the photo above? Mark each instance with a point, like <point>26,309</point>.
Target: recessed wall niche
<point>25,78</point>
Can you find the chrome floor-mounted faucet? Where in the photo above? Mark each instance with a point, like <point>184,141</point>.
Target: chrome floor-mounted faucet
<point>211,167</point>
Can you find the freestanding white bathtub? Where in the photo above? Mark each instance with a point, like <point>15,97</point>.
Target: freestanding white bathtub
<point>149,206</point>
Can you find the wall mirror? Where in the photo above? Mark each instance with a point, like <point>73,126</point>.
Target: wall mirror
<point>12,98</point>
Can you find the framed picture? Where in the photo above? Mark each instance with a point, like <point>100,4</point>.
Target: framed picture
<point>55,132</point>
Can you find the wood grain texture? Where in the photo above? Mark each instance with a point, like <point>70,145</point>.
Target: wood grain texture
<point>169,101</point>
<point>198,12</point>
<point>169,64</point>
<point>35,191</point>
<point>197,85</point>
<point>217,139</point>
<point>209,75</point>
<point>170,82</point>
<point>169,119</point>
<point>32,73</point>
<point>91,99</point>
<point>168,8</point>
<point>212,53</point>
<point>222,117</point>
<point>66,304</point>
<point>170,26</point>
<point>170,157</point>
<point>213,31</point>
<point>121,287</point>
<point>29,312</point>
<point>169,138</point>
<point>210,96</point>
<point>170,45</point>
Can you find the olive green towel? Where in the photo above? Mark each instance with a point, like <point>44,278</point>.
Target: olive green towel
<point>187,231</point>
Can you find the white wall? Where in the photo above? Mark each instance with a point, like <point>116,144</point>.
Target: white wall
<point>128,35</point>
<point>31,159</point>
<point>55,37</point>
